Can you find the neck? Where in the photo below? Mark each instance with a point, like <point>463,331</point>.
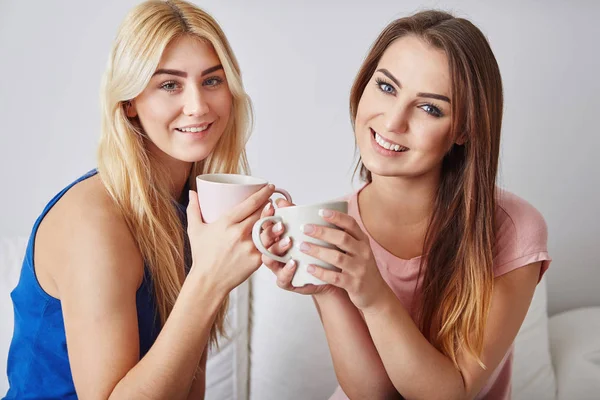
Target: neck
<point>405,201</point>
<point>177,172</point>
<point>179,177</point>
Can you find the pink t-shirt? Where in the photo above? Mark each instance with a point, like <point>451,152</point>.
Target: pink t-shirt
<point>521,239</point>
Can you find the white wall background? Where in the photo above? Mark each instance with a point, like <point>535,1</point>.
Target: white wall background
<point>298,61</point>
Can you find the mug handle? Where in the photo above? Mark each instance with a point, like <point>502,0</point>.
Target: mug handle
<point>258,243</point>
<point>284,193</point>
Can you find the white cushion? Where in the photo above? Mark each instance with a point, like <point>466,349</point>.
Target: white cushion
<point>533,374</point>
<point>12,251</point>
<point>289,353</point>
<point>227,367</point>
<point>575,345</point>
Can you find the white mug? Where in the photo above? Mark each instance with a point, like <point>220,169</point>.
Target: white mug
<point>219,193</point>
<point>293,218</point>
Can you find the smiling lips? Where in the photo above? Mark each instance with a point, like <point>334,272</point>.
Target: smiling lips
<point>387,145</point>
<point>194,128</point>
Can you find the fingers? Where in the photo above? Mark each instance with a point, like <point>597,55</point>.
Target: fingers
<point>193,211</point>
<point>331,256</point>
<point>251,204</point>
<point>268,211</point>
<point>343,221</point>
<point>273,265</point>
<point>283,272</point>
<point>271,234</point>
<point>332,277</point>
<point>285,275</point>
<point>342,239</point>
<point>283,203</point>
<point>279,249</point>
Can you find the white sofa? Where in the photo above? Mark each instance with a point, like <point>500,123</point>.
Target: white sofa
<point>278,350</point>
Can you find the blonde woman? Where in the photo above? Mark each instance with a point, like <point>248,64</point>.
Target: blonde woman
<point>437,265</point>
<point>113,300</point>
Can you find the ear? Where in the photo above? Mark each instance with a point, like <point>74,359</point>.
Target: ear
<point>130,109</point>
<point>461,139</point>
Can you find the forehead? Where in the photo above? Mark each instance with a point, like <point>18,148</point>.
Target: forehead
<point>417,65</point>
<point>189,53</point>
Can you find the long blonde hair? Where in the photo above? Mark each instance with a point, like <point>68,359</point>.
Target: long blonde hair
<point>134,179</point>
<point>457,286</point>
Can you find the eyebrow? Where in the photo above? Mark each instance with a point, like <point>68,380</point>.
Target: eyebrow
<point>420,94</point>
<point>184,74</point>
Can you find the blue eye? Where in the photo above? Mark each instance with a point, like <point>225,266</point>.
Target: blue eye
<point>213,81</point>
<point>432,110</point>
<point>385,87</point>
<point>170,86</point>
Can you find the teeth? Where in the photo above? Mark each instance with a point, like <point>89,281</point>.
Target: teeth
<point>387,145</point>
<point>193,130</point>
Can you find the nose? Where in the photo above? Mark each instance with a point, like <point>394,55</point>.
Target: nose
<point>397,118</point>
<point>195,103</point>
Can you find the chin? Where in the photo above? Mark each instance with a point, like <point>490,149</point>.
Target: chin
<point>197,152</point>
<point>191,158</point>
<point>385,168</point>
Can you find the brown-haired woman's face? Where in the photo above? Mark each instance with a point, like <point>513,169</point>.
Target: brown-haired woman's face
<point>403,118</point>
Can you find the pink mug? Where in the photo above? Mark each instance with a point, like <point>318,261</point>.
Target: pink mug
<point>219,193</point>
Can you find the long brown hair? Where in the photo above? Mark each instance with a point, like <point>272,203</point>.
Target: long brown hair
<point>457,284</point>
<point>134,179</point>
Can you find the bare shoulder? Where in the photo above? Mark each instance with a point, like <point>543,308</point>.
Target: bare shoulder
<point>85,235</point>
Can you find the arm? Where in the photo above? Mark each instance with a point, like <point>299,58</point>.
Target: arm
<point>358,366</point>
<point>199,384</point>
<point>99,307</point>
<point>97,270</point>
<point>425,372</point>
<point>416,368</point>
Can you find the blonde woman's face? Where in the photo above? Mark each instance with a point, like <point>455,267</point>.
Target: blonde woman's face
<point>403,118</point>
<point>186,106</point>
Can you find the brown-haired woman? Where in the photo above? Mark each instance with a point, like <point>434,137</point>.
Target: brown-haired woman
<point>437,265</point>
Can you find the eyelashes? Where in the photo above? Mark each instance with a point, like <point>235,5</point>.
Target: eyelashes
<point>432,109</point>
<point>173,86</point>
<point>387,88</point>
<point>170,86</point>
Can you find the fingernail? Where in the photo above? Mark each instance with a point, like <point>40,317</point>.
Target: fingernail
<point>284,242</point>
<point>291,264</point>
<point>278,227</point>
<point>268,206</point>
<point>271,186</point>
<point>310,269</point>
<point>304,246</point>
<point>325,213</point>
<point>308,228</point>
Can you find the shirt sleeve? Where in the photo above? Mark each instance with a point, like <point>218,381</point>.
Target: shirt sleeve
<point>521,236</point>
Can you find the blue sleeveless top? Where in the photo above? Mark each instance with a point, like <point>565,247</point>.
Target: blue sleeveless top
<point>38,362</point>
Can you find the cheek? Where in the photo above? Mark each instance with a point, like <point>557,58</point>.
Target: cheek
<point>157,110</point>
<point>221,103</point>
<point>435,139</point>
<point>367,107</point>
